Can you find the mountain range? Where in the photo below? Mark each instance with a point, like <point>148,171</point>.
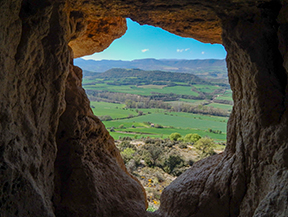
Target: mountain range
<point>208,68</point>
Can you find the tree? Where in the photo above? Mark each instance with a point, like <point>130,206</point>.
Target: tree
<point>175,136</point>
<point>172,161</point>
<point>192,137</point>
<point>205,147</point>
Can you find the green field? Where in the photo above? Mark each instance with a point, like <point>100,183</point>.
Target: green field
<point>112,109</point>
<point>172,122</point>
<point>206,88</point>
<point>226,96</point>
<point>170,91</point>
<point>142,90</point>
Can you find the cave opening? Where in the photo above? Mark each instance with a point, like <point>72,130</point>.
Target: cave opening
<point>156,121</point>
<point>58,159</point>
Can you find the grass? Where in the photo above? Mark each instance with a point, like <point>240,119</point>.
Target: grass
<point>141,90</point>
<point>180,122</point>
<point>206,88</point>
<point>226,96</point>
<point>151,209</point>
<point>184,121</point>
<point>104,108</point>
<point>192,101</point>
<point>221,106</point>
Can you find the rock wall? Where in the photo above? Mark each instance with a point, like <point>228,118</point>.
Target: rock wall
<point>56,157</point>
<point>250,177</point>
<point>33,69</point>
<point>90,175</point>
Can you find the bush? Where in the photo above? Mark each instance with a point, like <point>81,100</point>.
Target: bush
<point>125,144</point>
<point>105,118</point>
<point>151,154</point>
<point>126,138</point>
<point>172,161</point>
<point>158,126</point>
<point>192,137</point>
<point>121,126</point>
<point>127,154</point>
<point>174,136</point>
<point>205,147</point>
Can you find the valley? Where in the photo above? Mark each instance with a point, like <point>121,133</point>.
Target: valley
<point>162,122</point>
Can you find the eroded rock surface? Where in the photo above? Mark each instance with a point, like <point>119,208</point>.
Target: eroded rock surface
<point>56,157</point>
<point>98,35</point>
<point>33,69</point>
<point>90,175</point>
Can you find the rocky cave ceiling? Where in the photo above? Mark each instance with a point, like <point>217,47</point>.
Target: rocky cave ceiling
<point>57,158</point>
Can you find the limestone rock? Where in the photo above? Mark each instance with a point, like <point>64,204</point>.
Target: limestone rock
<point>32,85</point>
<point>42,101</point>
<point>90,175</point>
<point>98,36</point>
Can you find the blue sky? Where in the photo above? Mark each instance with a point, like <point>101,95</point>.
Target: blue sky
<point>146,41</point>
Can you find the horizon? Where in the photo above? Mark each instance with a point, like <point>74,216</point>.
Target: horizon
<point>149,42</point>
<point>147,59</point>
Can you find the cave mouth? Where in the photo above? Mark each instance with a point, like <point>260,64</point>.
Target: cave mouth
<point>45,111</point>
<point>200,106</point>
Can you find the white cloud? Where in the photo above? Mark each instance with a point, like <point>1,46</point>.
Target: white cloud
<point>181,50</point>
<point>145,50</point>
<point>202,52</point>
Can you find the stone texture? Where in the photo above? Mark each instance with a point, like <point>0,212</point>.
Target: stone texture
<point>250,179</point>
<point>56,158</point>
<point>33,68</point>
<point>90,175</point>
<point>98,36</point>
<point>195,19</point>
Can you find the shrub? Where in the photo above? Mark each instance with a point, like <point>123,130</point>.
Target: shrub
<point>158,126</point>
<point>125,144</point>
<point>175,136</point>
<point>127,154</point>
<point>121,126</point>
<point>205,147</point>
<point>105,118</point>
<point>192,137</point>
<point>126,138</point>
<point>152,154</point>
<point>172,161</point>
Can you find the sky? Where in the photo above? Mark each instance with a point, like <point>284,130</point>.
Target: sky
<point>144,41</point>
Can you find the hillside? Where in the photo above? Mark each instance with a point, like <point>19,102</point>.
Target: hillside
<point>209,68</point>
<point>138,76</point>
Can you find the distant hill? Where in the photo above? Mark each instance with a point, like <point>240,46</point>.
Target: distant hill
<point>134,76</point>
<point>209,68</point>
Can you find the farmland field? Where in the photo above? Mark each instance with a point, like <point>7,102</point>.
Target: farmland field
<point>173,115</point>
<point>142,90</point>
<point>171,122</point>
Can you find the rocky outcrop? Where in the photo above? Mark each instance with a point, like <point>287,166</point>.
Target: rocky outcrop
<point>90,175</point>
<point>33,70</point>
<point>56,158</point>
<point>249,179</point>
<point>99,34</point>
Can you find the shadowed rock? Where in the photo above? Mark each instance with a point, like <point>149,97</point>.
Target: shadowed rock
<point>56,157</point>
